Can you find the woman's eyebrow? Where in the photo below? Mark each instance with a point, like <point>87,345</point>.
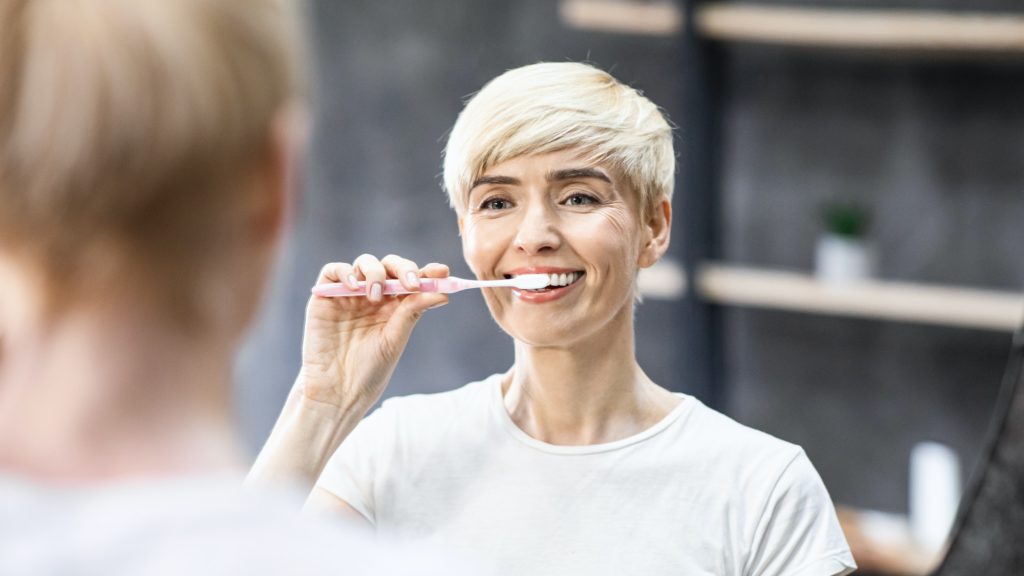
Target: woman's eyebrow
<point>508,180</point>
<point>573,173</point>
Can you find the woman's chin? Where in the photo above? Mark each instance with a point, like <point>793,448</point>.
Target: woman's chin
<point>546,334</point>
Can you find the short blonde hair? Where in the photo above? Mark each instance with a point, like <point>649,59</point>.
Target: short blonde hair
<point>549,107</point>
<point>126,127</point>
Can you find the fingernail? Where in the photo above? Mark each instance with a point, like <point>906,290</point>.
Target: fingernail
<point>412,278</point>
<point>438,305</point>
<point>352,280</point>
<point>375,291</point>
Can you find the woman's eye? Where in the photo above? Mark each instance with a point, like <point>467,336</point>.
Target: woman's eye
<point>495,204</point>
<point>580,199</point>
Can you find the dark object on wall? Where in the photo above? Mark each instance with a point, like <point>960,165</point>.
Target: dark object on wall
<point>990,525</point>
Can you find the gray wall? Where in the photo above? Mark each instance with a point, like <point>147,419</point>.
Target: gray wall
<point>934,149</point>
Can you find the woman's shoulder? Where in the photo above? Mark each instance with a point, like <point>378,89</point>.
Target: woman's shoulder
<point>456,405</point>
<point>430,423</point>
<point>724,438</point>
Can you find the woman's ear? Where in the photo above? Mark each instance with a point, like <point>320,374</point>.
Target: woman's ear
<point>657,233</point>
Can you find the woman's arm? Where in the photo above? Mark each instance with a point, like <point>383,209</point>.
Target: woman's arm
<point>306,434</point>
<point>349,351</point>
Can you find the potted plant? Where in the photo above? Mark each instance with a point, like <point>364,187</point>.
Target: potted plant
<point>843,254</point>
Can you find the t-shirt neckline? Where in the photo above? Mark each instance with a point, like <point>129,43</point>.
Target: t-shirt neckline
<point>506,422</point>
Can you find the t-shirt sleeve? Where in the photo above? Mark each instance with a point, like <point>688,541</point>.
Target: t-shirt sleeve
<point>798,533</point>
<point>353,471</point>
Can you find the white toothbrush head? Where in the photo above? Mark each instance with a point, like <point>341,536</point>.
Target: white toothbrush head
<point>531,281</point>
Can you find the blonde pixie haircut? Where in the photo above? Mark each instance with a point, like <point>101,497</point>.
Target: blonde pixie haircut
<point>549,107</point>
<point>127,131</point>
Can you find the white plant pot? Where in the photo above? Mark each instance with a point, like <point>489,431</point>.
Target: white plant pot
<point>842,260</point>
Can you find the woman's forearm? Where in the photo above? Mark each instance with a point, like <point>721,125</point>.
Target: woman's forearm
<point>304,437</point>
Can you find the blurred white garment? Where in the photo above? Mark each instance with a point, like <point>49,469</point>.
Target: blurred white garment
<point>183,525</point>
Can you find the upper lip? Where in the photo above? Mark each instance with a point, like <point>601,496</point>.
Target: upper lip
<point>540,270</point>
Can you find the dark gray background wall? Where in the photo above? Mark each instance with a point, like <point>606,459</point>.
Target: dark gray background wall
<point>934,149</point>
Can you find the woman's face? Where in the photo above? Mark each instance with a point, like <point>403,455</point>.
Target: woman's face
<point>556,214</point>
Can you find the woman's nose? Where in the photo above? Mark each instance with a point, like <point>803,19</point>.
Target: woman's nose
<point>537,231</point>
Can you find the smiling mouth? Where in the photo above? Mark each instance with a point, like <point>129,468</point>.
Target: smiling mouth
<point>556,281</point>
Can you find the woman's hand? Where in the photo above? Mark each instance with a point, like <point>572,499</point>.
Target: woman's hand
<point>349,351</point>
<point>352,344</point>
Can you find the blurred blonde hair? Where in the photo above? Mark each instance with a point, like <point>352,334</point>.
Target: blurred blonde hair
<point>549,107</point>
<point>128,129</point>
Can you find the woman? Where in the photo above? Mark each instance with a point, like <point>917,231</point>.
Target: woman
<point>573,461</point>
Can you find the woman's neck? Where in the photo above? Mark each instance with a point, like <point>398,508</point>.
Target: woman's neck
<point>99,395</point>
<point>590,392</point>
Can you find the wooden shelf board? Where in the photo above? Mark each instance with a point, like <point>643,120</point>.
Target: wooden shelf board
<point>882,543</point>
<point>875,28</point>
<point>917,30</point>
<point>657,18</point>
<point>899,301</point>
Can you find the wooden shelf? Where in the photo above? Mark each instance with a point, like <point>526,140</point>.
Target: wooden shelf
<point>881,543</point>
<point>666,280</point>
<point>875,28</point>
<point>880,29</point>
<point>648,18</point>
<point>921,303</point>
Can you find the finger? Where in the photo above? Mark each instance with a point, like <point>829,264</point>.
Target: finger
<point>429,302</point>
<point>373,271</point>
<point>407,272</point>
<point>349,278</point>
<point>337,272</point>
<point>411,310</point>
<point>435,270</point>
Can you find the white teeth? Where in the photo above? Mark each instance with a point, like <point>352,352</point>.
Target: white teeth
<point>558,280</point>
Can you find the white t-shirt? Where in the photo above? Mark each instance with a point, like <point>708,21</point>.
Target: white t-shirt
<point>201,525</point>
<point>695,494</point>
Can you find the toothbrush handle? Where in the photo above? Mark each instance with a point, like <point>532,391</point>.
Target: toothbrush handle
<point>392,287</point>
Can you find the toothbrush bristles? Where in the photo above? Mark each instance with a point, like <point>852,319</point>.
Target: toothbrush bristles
<point>532,281</point>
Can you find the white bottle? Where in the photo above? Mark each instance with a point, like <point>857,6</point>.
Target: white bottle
<point>934,493</point>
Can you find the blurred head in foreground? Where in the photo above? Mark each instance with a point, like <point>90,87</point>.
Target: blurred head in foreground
<point>145,152</point>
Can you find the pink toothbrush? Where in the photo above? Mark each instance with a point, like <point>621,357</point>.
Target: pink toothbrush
<point>444,285</point>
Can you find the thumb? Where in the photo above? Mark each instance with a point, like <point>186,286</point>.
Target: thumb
<point>410,311</point>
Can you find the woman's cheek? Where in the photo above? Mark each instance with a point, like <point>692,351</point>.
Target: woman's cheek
<point>477,247</point>
<point>621,222</point>
<point>621,236</point>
